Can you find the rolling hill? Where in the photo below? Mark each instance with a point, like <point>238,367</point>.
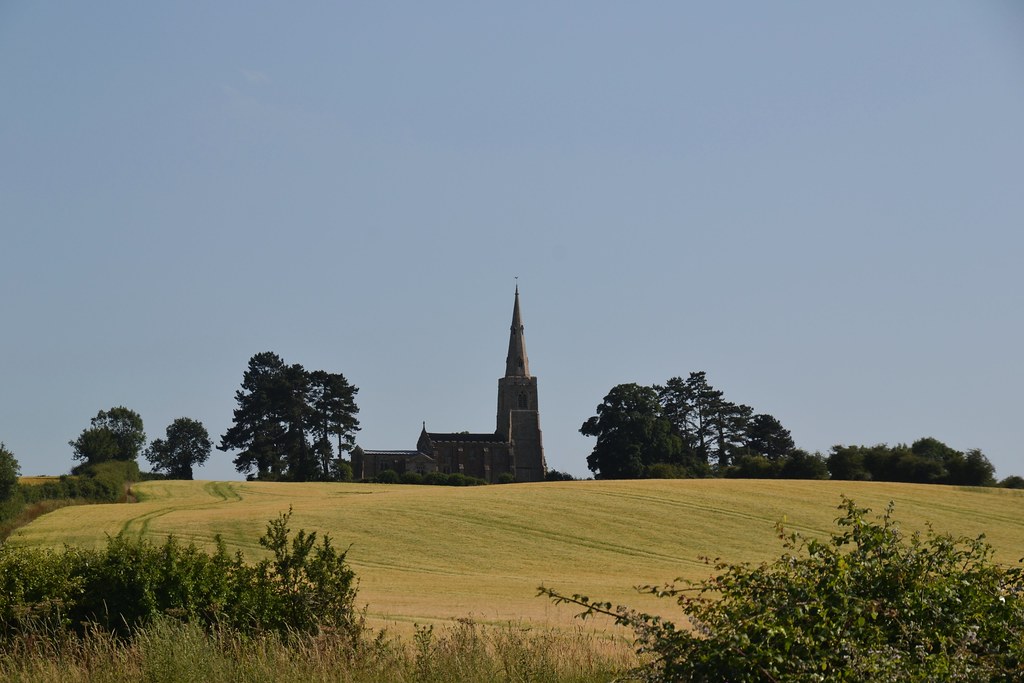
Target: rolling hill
<point>426,554</point>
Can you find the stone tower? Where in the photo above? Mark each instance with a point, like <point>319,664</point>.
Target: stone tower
<point>518,420</point>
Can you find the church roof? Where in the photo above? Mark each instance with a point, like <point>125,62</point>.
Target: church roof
<point>465,437</point>
<point>391,452</point>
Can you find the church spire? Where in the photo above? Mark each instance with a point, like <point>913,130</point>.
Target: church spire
<point>517,364</point>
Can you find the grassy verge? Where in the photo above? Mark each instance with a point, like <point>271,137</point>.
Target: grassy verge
<point>170,651</point>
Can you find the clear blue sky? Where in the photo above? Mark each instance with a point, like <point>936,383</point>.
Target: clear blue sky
<point>821,205</point>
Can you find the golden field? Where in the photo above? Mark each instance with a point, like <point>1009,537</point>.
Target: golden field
<point>428,554</point>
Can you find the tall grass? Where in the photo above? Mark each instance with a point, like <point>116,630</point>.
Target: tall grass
<point>171,651</point>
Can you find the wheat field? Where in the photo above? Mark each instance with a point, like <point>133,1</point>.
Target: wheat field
<point>427,554</point>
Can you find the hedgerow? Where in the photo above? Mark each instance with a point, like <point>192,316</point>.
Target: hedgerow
<point>869,604</point>
<point>306,586</point>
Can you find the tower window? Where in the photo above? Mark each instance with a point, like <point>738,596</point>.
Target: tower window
<point>523,401</point>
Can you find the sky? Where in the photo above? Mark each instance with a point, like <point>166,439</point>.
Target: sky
<point>820,205</point>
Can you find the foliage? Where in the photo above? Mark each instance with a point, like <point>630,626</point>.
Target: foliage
<point>632,434</point>
<point>187,444</point>
<point>428,479</point>
<point>683,428</point>
<point>9,471</point>
<point>926,461</point>
<point>712,429</point>
<point>766,436</point>
<point>1012,482</point>
<point>555,475</point>
<point>285,419</point>
<point>304,587</point>
<point>798,464</point>
<point>868,604</point>
<point>115,434</point>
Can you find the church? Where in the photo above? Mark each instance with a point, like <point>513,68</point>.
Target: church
<point>514,447</point>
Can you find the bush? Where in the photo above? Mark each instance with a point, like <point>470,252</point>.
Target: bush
<point>1013,482</point>
<point>131,582</point>
<point>753,467</point>
<point>411,478</point>
<point>667,470</point>
<point>388,477</point>
<point>506,478</point>
<point>868,604</point>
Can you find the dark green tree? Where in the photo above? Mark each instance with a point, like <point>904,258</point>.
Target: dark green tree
<point>729,424</point>
<point>187,444</point>
<point>766,436</point>
<point>690,407</point>
<point>332,413</point>
<point>632,434</point>
<point>976,470</point>
<point>285,419</point>
<point>800,464</point>
<point>9,472</point>
<point>258,430</point>
<point>115,434</point>
<point>848,463</point>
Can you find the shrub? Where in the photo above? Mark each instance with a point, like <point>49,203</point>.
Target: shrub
<point>387,477</point>
<point>753,467</point>
<point>304,587</point>
<point>411,478</point>
<point>667,470</point>
<point>555,475</point>
<point>506,478</point>
<point>868,604</point>
<point>435,479</point>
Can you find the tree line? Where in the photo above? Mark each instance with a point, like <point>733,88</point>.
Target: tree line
<point>687,428</point>
<point>294,424</point>
<point>290,424</point>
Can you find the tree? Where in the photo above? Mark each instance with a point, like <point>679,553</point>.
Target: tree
<point>689,406</point>
<point>285,419</point>
<point>800,464</point>
<point>926,461</point>
<point>632,434</point>
<point>115,434</point>
<point>187,444</point>
<point>766,436</point>
<point>868,604</point>
<point>257,430</point>
<point>712,429</point>
<point>9,472</point>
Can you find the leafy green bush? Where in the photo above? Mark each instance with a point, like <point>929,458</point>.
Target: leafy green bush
<point>304,587</point>
<point>429,479</point>
<point>667,470</point>
<point>868,604</point>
